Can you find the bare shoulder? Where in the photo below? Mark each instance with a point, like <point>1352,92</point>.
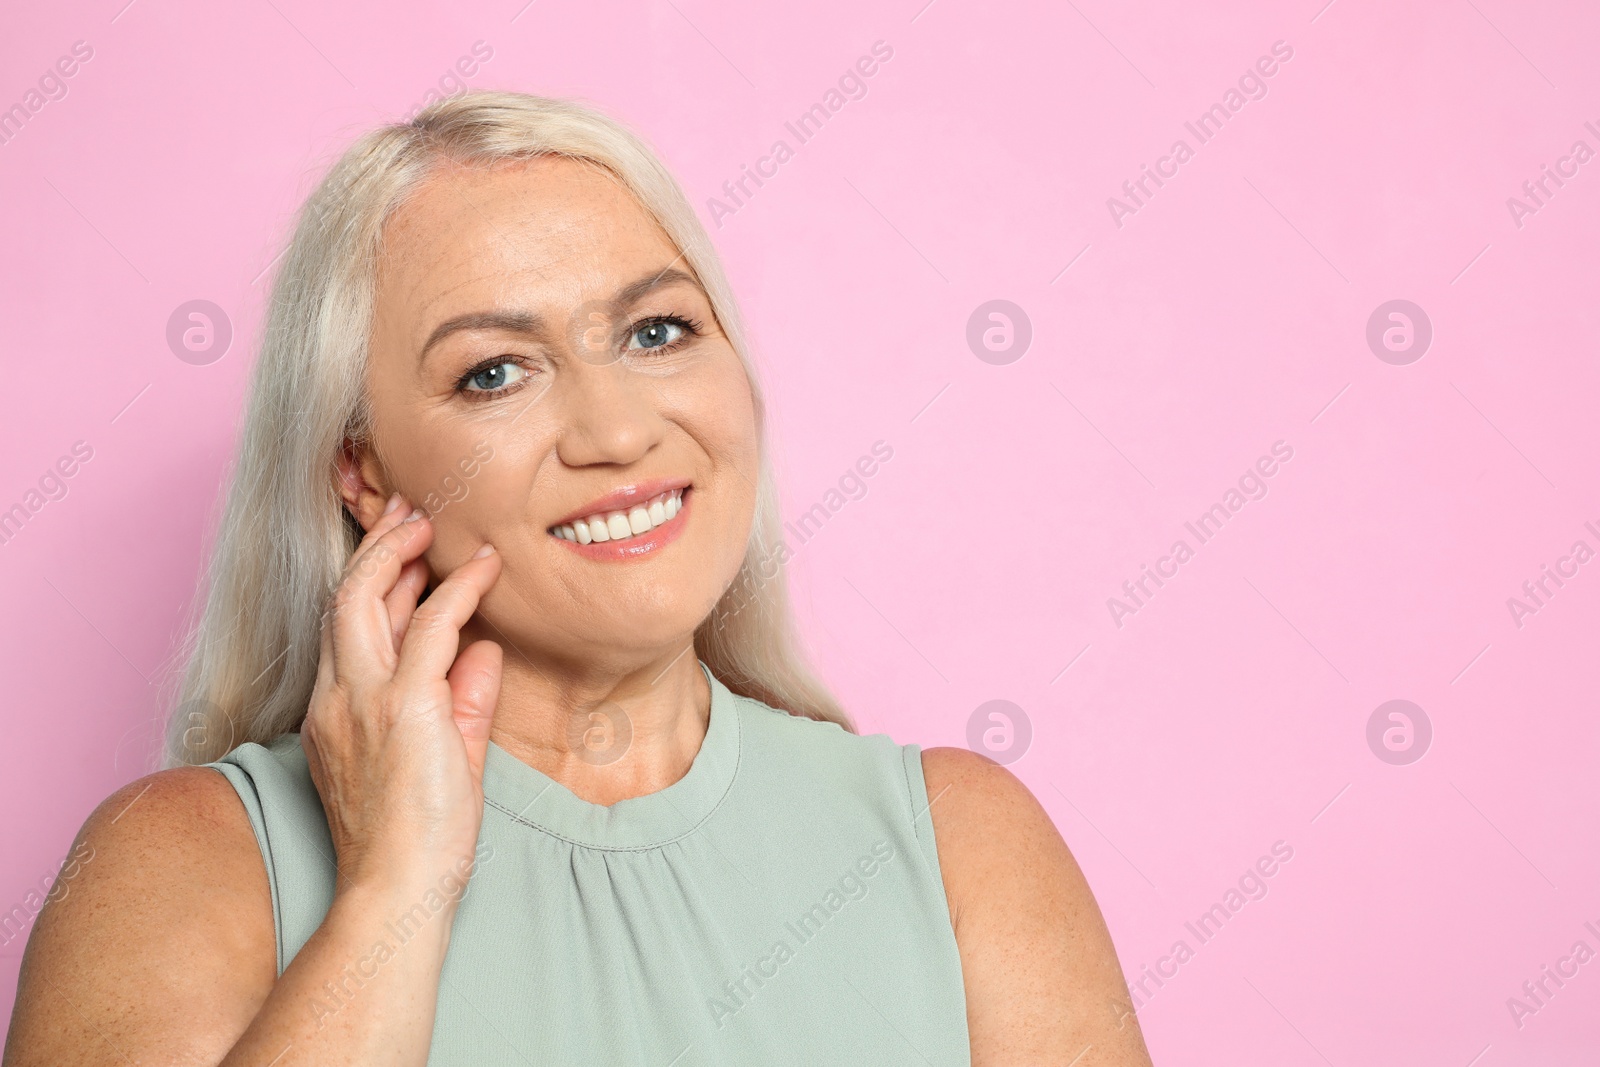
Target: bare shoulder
<point>982,785</point>
<point>156,942</point>
<point>993,834</point>
<point>1042,976</point>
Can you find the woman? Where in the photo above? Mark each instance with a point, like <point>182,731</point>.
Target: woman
<point>493,605</point>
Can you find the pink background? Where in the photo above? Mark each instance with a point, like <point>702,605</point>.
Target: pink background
<point>1228,313</point>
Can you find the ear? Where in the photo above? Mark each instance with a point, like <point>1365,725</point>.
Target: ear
<point>362,482</point>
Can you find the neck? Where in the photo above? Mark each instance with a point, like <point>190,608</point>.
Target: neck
<point>605,730</point>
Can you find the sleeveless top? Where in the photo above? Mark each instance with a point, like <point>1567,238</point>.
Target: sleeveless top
<point>779,904</point>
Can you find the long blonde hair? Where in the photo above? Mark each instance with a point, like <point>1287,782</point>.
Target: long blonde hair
<point>285,536</point>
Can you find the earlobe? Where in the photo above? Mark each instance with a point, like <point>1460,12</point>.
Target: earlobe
<point>347,475</point>
<point>351,478</point>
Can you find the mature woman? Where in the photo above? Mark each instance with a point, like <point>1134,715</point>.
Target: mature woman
<point>497,606</point>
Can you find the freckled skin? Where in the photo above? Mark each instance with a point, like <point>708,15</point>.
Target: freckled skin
<point>162,950</point>
<point>575,429</point>
<point>1042,978</point>
<point>558,238</point>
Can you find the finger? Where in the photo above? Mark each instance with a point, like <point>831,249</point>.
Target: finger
<point>389,534</point>
<point>434,635</point>
<point>393,515</point>
<point>475,690</point>
<point>402,599</point>
<point>361,637</point>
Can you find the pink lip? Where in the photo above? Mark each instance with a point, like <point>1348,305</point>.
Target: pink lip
<point>634,547</point>
<point>625,499</point>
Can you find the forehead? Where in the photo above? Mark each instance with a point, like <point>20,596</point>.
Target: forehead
<point>549,231</point>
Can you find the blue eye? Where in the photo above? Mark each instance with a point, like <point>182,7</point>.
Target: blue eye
<point>494,378</point>
<point>656,334</point>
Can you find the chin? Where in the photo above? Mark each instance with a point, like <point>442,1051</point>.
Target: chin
<point>619,634</point>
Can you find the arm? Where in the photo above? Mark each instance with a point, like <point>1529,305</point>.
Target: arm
<point>160,949</point>
<point>160,946</point>
<point>1042,979</point>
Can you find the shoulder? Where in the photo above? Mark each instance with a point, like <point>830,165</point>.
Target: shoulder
<point>977,775</point>
<point>169,808</point>
<point>156,829</point>
<point>160,832</point>
<point>999,851</point>
<point>161,913</point>
<point>971,788</point>
<point>1041,973</point>
<point>989,826</point>
<point>159,845</point>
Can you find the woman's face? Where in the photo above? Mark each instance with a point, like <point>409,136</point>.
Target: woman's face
<point>541,355</point>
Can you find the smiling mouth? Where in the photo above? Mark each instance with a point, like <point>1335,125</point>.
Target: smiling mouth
<point>625,525</point>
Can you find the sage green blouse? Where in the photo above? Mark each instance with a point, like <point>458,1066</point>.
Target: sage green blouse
<point>779,904</point>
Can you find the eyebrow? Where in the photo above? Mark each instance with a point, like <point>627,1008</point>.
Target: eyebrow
<point>529,324</point>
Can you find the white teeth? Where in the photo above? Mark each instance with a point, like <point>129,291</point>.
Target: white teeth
<point>618,525</point>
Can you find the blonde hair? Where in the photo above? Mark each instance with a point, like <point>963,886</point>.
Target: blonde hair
<point>285,536</point>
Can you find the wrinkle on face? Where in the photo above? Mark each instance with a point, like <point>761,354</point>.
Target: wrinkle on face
<point>551,236</point>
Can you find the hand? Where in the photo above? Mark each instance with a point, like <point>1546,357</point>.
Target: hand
<point>398,724</point>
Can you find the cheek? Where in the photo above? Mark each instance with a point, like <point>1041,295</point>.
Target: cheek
<point>737,451</point>
<point>487,498</point>
<point>725,413</point>
<point>491,505</point>
<point>468,499</point>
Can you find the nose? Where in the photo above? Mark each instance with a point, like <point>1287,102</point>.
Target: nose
<point>609,415</point>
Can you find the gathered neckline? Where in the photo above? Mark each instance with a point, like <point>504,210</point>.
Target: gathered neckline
<point>534,799</point>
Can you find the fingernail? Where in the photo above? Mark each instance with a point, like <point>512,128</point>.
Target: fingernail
<point>394,502</point>
<point>414,516</point>
<point>486,550</point>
